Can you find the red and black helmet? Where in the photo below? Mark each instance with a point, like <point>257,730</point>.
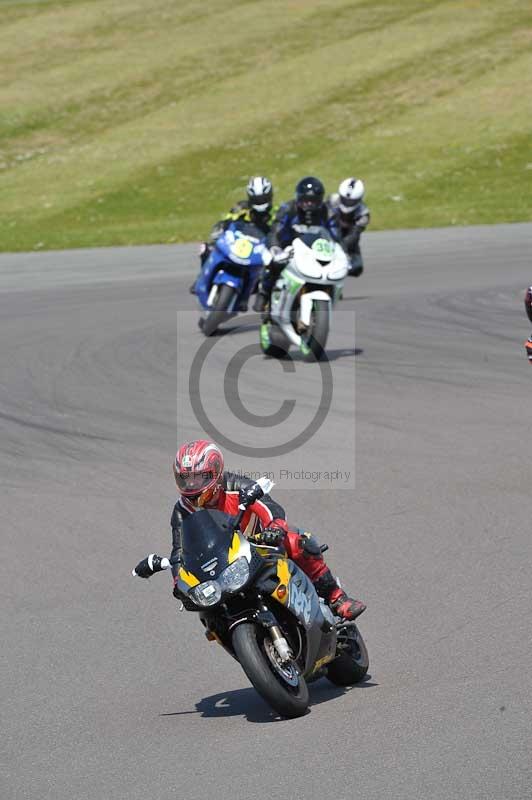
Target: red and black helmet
<point>198,470</point>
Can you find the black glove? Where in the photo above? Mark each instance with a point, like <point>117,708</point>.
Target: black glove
<point>148,566</point>
<point>273,537</point>
<point>250,494</point>
<point>280,256</point>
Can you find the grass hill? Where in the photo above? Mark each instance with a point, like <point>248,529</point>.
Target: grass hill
<point>138,121</point>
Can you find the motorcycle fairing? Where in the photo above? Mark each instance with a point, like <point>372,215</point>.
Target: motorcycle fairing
<point>302,599</point>
<point>209,544</point>
<point>316,269</point>
<point>238,246</point>
<point>236,282</point>
<point>305,304</point>
<point>243,248</point>
<point>303,602</point>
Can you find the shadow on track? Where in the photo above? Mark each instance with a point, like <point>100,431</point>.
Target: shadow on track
<point>247,703</point>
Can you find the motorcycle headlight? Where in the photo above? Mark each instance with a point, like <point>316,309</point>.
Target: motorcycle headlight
<point>207,594</point>
<point>235,575</point>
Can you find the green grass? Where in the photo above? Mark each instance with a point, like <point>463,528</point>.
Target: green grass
<point>131,122</point>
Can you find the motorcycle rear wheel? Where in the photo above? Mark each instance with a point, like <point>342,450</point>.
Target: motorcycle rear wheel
<point>219,313</point>
<point>352,664</point>
<point>250,642</point>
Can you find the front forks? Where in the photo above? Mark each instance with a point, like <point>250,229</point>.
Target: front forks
<point>267,619</point>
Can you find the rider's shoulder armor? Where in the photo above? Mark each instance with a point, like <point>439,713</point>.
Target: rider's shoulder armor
<point>239,211</point>
<point>333,201</point>
<point>285,211</point>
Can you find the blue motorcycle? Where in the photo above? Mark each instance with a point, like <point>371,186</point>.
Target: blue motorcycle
<point>231,273</point>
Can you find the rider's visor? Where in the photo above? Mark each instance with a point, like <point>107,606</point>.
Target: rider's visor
<point>348,205</point>
<point>193,483</point>
<point>261,204</point>
<point>309,203</point>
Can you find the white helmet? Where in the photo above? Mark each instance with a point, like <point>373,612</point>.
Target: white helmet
<point>351,192</point>
<point>260,194</point>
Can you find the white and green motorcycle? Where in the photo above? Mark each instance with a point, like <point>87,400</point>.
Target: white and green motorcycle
<point>303,296</point>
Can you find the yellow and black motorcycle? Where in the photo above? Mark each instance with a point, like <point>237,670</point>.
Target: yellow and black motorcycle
<point>264,610</point>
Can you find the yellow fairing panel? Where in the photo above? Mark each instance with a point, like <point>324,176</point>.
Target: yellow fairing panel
<point>188,577</point>
<point>239,548</point>
<point>283,573</point>
<point>234,549</point>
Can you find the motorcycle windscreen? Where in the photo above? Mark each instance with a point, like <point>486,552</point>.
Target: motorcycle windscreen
<point>249,229</point>
<point>242,243</point>
<point>313,233</point>
<point>206,536</point>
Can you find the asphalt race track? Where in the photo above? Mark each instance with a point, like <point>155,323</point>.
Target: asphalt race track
<point>108,692</point>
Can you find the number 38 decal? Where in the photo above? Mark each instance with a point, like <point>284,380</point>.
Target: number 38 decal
<point>323,249</point>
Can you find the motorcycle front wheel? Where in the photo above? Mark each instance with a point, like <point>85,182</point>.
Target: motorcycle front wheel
<point>219,313</point>
<point>313,344</point>
<point>274,343</point>
<point>279,684</point>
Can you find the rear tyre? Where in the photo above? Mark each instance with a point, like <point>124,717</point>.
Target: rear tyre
<point>313,344</point>
<point>273,341</point>
<point>219,312</point>
<point>352,664</point>
<point>281,686</point>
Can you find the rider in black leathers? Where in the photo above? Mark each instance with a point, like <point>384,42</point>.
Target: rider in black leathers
<point>352,216</point>
<point>307,208</point>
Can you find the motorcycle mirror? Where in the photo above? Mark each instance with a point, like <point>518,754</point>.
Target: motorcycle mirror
<point>265,484</point>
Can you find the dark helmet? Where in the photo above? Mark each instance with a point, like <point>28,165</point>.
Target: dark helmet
<point>309,195</point>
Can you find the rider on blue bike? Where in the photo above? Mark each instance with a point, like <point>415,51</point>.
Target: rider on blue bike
<point>257,208</point>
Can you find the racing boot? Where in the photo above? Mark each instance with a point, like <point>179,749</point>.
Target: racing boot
<point>345,606</point>
<point>335,597</point>
<point>356,267</point>
<point>204,253</point>
<point>303,548</point>
<point>528,348</point>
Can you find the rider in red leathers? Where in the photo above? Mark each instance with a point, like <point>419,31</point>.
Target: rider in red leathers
<point>202,482</point>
